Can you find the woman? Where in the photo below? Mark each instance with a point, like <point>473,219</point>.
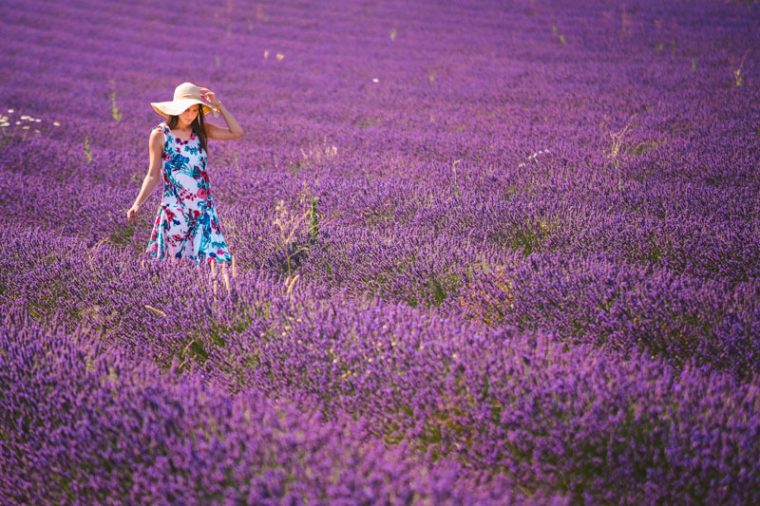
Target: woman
<point>186,225</point>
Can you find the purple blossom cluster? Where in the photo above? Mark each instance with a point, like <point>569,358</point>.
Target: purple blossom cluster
<point>519,410</point>
<point>486,253</point>
<point>83,425</point>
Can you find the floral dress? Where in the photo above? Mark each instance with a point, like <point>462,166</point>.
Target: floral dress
<point>186,224</point>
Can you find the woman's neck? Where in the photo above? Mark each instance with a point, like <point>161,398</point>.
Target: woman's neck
<point>178,126</point>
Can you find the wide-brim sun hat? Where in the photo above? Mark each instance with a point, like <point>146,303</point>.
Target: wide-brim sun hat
<point>185,95</point>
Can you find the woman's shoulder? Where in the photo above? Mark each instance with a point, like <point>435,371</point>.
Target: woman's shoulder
<point>161,128</point>
<point>158,134</point>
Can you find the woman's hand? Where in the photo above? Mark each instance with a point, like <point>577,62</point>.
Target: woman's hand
<point>132,214</point>
<point>210,97</point>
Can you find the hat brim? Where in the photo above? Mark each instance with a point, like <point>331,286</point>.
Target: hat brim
<point>175,108</point>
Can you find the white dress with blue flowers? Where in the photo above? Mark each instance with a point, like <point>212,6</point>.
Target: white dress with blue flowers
<point>187,225</point>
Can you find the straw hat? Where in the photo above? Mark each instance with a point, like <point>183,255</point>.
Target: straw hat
<point>185,95</point>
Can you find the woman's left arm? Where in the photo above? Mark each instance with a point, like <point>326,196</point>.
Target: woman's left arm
<point>234,132</point>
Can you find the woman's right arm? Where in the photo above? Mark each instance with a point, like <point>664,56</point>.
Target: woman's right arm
<point>155,151</point>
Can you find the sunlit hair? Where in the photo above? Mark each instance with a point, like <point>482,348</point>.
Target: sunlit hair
<point>198,126</point>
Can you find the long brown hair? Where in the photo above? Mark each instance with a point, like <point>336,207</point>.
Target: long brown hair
<point>198,125</point>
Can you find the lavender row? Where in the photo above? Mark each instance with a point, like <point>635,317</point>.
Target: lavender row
<point>81,423</point>
<point>594,426</point>
<point>493,401</point>
<point>424,246</point>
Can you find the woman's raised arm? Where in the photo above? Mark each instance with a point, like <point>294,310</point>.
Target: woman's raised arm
<point>234,130</point>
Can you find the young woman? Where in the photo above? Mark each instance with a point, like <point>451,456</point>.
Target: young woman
<point>186,225</point>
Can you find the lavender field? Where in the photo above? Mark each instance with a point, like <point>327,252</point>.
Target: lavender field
<point>486,252</point>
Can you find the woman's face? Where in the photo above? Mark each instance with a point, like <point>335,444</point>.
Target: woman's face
<point>188,115</point>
